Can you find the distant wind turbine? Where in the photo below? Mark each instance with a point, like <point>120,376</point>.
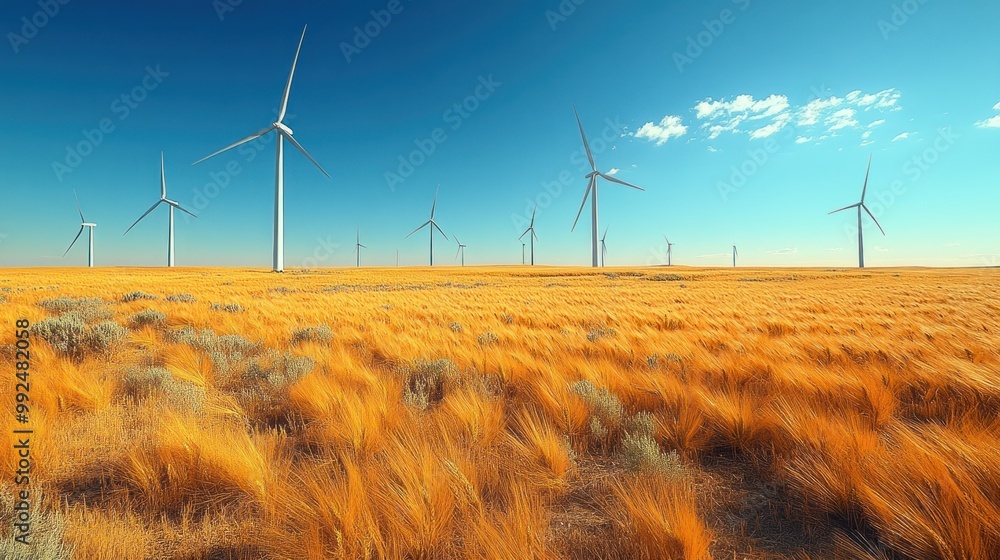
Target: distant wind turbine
<point>861,206</point>
<point>522,252</point>
<point>592,187</point>
<point>531,230</point>
<point>735,254</point>
<point>604,246</point>
<point>170,205</point>
<point>670,251</point>
<point>358,247</point>
<point>461,249</point>
<point>433,225</point>
<point>84,224</point>
<point>284,133</point>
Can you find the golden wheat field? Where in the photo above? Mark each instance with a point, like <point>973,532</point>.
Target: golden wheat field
<point>505,413</point>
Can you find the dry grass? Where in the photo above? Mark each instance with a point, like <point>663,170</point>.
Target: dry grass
<point>509,413</point>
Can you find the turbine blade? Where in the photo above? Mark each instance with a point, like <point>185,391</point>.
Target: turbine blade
<point>605,236</point>
<point>845,208</point>
<point>873,219</point>
<point>533,234</point>
<point>305,153</point>
<point>533,212</point>
<point>584,203</point>
<point>434,206</point>
<point>288,86</point>
<point>865,189</point>
<point>620,182</point>
<point>74,241</point>
<point>250,138</point>
<point>458,251</point>
<point>151,208</point>
<point>433,223</point>
<point>418,229</point>
<point>586,145</point>
<point>523,234</point>
<point>163,177</point>
<point>363,246</point>
<point>185,210</point>
<point>80,210</point>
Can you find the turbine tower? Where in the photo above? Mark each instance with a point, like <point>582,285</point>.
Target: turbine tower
<point>531,230</point>
<point>735,254</point>
<point>522,253</point>
<point>358,247</point>
<point>284,133</point>
<point>670,251</point>
<point>461,249</point>
<point>84,224</point>
<point>433,225</point>
<point>604,246</point>
<point>170,205</point>
<point>592,187</point>
<point>861,206</point>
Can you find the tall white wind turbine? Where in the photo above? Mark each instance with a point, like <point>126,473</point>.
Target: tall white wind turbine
<point>84,224</point>
<point>170,205</point>
<point>531,230</point>
<point>861,206</point>
<point>604,246</point>
<point>592,188</point>
<point>358,247</point>
<point>461,249</point>
<point>284,133</point>
<point>433,225</point>
<point>735,254</point>
<point>670,251</point>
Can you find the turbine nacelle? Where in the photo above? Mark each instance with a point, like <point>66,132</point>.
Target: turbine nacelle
<point>279,126</point>
<point>86,224</point>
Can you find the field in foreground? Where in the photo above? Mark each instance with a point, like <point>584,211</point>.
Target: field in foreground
<point>507,413</point>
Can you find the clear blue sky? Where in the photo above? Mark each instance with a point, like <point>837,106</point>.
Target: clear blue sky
<point>809,90</point>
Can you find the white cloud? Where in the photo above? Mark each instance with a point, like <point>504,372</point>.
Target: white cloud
<point>811,113</point>
<point>803,140</point>
<point>877,123</point>
<point>881,249</point>
<point>866,135</point>
<point>867,143</point>
<point>712,149</point>
<point>902,136</point>
<point>728,115</point>
<point>996,107</point>
<point>836,250</point>
<point>670,127</point>
<point>843,118</point>
<point>993,122</point>
<point>786,251</point>
<point>780,122</point>
<point>614,171</point>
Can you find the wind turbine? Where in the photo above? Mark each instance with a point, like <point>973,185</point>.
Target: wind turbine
<point>431,223</point>
<point>670,251</point>
<point>604,246</point>
<point>531,230</point>
<point>461,249</point>
<point>84,224</point>
<point>861,206</point>
<point>170,205</point>
<point>592,187</point>
<point>522,253</point>
<point>358,247</point>
<point>284,133</point>
<point>735,254</point>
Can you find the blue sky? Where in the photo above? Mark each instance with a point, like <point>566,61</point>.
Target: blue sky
<point>745,121</point>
